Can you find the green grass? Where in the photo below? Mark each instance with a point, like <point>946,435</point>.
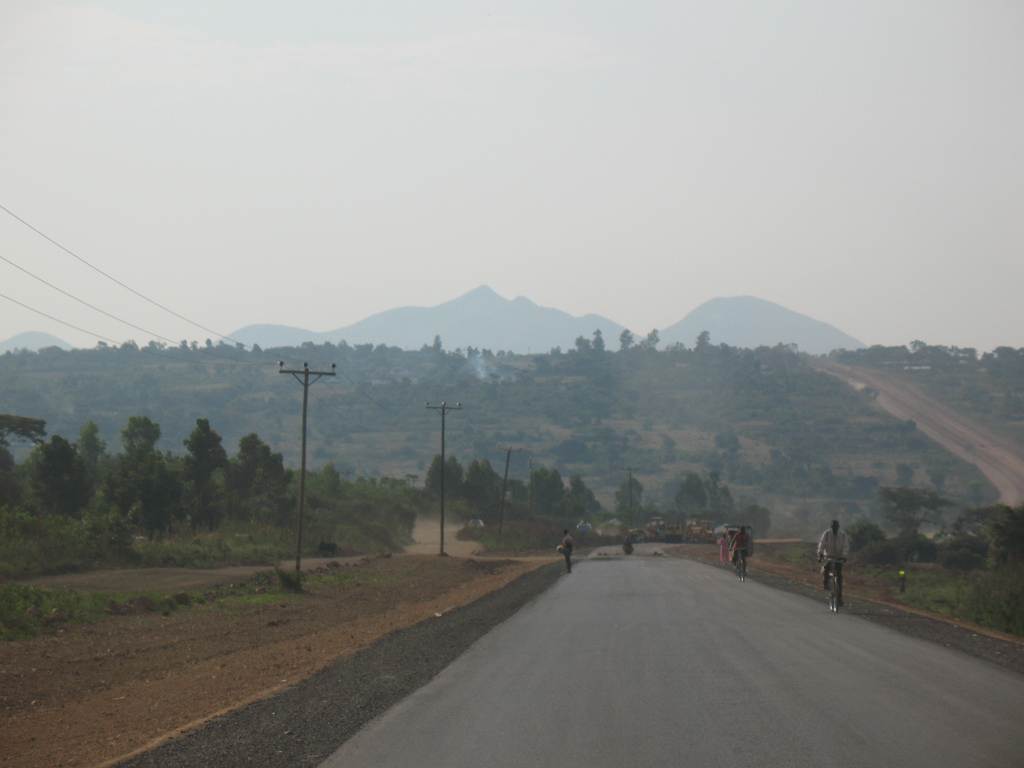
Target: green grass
<point>27,611</point>
<point>930,589</point>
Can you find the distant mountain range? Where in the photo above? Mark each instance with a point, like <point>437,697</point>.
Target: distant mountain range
<point>32,340</point>
<point>485,320</point>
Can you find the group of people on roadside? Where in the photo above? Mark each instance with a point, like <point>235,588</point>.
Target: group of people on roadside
<point>833,549</point>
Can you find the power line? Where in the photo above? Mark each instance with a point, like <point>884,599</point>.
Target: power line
<point>56,320</point>
<point>114,279</point>
<point>115,342</point>
<point>82,301</point>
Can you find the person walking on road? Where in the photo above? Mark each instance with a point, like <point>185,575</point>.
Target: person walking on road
<point>835,544</point>
<point>566,549</point>
<point>723,548</point>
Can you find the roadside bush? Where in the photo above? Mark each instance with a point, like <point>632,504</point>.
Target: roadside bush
<point>290,581</point>
<point>864,533</point>
<point>31,544</point>
<point>996,600</point>
<point>888,552</point>
<point>960,559</point>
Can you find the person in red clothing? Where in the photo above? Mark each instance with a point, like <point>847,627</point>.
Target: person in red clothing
<point>740,544</point>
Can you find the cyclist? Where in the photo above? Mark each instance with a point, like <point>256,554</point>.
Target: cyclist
<point>739,545</point>
<point>835,544</point>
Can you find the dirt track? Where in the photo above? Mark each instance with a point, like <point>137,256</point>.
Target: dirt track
<point>998,459</point>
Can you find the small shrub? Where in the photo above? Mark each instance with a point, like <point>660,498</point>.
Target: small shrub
<point>290,581</point>
<point>888,552</point>
<point>864,533</point>
<point>960,559</point>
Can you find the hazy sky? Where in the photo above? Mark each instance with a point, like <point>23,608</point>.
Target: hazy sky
<point>314,163</point>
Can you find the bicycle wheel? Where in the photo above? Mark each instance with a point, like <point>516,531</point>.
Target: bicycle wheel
<point>743,569</point>
<point>833,594</point>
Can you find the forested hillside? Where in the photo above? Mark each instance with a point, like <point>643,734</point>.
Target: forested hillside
<point>778,433</point>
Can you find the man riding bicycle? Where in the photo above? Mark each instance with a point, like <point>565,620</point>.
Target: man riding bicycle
<point>739,545</point>
<point>833,548</point>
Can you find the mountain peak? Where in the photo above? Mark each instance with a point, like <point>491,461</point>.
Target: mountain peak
<point>750,322</point>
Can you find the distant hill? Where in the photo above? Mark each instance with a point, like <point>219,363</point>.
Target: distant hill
<point>484,320</point>
<point>480,318</point>
<point>749,322</point>
<point>32,340</point>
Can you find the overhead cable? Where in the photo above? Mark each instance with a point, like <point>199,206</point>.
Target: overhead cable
<point>114,279</point>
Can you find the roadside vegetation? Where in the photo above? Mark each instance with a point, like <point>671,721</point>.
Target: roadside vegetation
<point>26,611</point>
<point>115,458</point>
<point>973,569</point>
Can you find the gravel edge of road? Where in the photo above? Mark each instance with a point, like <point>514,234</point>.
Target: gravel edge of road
<point>1004,653</point>
<point>306,723</point>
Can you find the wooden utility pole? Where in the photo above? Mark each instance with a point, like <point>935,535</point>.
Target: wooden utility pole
<point>443,408</point>
<point>630,469</point>
<point>303,378</point>
<point>508,455</point>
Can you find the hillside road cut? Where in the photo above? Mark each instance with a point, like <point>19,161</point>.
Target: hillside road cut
<point>997,458</point>
<point>666,662</point>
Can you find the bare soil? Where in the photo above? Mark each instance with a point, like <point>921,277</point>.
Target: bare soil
<point>93,694</point>
<point>998,458</point>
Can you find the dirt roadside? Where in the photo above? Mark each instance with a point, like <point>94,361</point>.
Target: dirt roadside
<point>88,695</point>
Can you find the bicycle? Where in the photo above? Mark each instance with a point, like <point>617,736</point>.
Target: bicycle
<point>739,562</point>
<point>834,600</point>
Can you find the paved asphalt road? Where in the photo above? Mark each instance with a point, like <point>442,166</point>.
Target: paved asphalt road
<point>665,662</point>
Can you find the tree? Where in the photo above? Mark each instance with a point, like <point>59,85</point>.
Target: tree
<point>257,483</point>
<point>579,501</point>
<point>864,533</point>
<point>482,488</point>
<point>651,342</point>
<point>629,495</point>
<point>625,340</point>
<point>598,343</point>
<point>21,427</point>
<point>453,478</point>
<point>908,508</point>
<point>206,457</point>
<point>720,503</point>
<point>691,498</point>
<point>142,489</point>
<point>58,477</point>
<point>140,436</point>
<point>91,446</point>
<point>1007,536</point>
<point>546,491</point>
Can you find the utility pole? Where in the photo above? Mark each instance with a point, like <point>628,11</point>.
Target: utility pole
<point>630,497</point>
<point>443,408</point>
<point>303,378</point>
<point>508,455</point>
